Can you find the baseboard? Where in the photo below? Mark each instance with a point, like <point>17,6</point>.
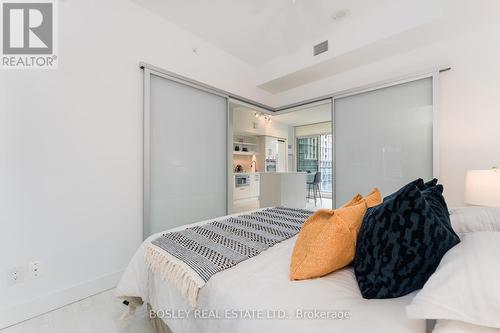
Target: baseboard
<point>41,305</point>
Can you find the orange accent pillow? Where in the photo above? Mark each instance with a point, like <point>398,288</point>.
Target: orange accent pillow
<point>327,240</point>
<point>374,198</point>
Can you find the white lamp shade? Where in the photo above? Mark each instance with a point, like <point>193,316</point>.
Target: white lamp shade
<point>482,188</point>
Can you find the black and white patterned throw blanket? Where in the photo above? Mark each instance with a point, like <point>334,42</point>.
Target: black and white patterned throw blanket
<point>189,258</point>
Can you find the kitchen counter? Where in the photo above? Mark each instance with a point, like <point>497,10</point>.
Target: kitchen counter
<point>287,189</point>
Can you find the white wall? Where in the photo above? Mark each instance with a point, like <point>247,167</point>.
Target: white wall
<point>244,120</point>
<point>470,109</point>
<point>71,149</point>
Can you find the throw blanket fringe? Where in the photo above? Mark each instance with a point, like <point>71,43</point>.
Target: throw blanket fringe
<point>175,271</point>
<point>190,257</point>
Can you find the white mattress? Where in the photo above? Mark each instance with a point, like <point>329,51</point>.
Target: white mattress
<point>261,283</point>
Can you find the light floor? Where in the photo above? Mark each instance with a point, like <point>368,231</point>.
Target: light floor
<point>97,314</point>
<point>327,203</point>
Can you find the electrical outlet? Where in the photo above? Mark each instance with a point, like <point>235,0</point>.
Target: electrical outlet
<point>15,275</point>
<point>35,269</point>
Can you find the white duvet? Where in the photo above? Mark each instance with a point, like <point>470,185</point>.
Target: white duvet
<point>256,296</point>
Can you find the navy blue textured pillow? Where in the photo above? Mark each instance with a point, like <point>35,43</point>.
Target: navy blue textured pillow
<point>430,183</point>
<point>434,196</point>
<point>401,243</point>
<point>417,182</point>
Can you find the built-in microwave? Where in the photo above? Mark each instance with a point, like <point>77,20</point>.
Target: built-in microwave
<point>241,180</point>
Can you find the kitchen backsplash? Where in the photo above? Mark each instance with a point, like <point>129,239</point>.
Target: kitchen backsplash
<point>244,161</point>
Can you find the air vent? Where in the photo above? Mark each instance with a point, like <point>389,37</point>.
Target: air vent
<point>320,48</point>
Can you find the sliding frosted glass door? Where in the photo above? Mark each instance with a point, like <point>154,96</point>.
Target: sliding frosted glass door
<point>383,138</point>
<point>185,154</point>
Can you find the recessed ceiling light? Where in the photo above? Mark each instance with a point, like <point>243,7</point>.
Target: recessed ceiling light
<point>340,14</point>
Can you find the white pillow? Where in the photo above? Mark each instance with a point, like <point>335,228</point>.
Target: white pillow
<point>466,284</point>
<point>470,219</point>
<point>454,326</point>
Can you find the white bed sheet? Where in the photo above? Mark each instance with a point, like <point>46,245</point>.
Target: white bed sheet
<point>261,283</point>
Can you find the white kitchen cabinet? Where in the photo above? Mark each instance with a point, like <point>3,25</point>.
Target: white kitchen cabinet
<point>246,198</point>
<point>271,146</point>
<point>273,154</point>
<point>254,185</point>
<point>241,193</point>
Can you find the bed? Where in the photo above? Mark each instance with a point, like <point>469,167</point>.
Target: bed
<point>256,295</point>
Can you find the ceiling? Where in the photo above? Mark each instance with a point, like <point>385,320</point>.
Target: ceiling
<point>312,113</point>
<point>307,115</point>
<point>257,31</point>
